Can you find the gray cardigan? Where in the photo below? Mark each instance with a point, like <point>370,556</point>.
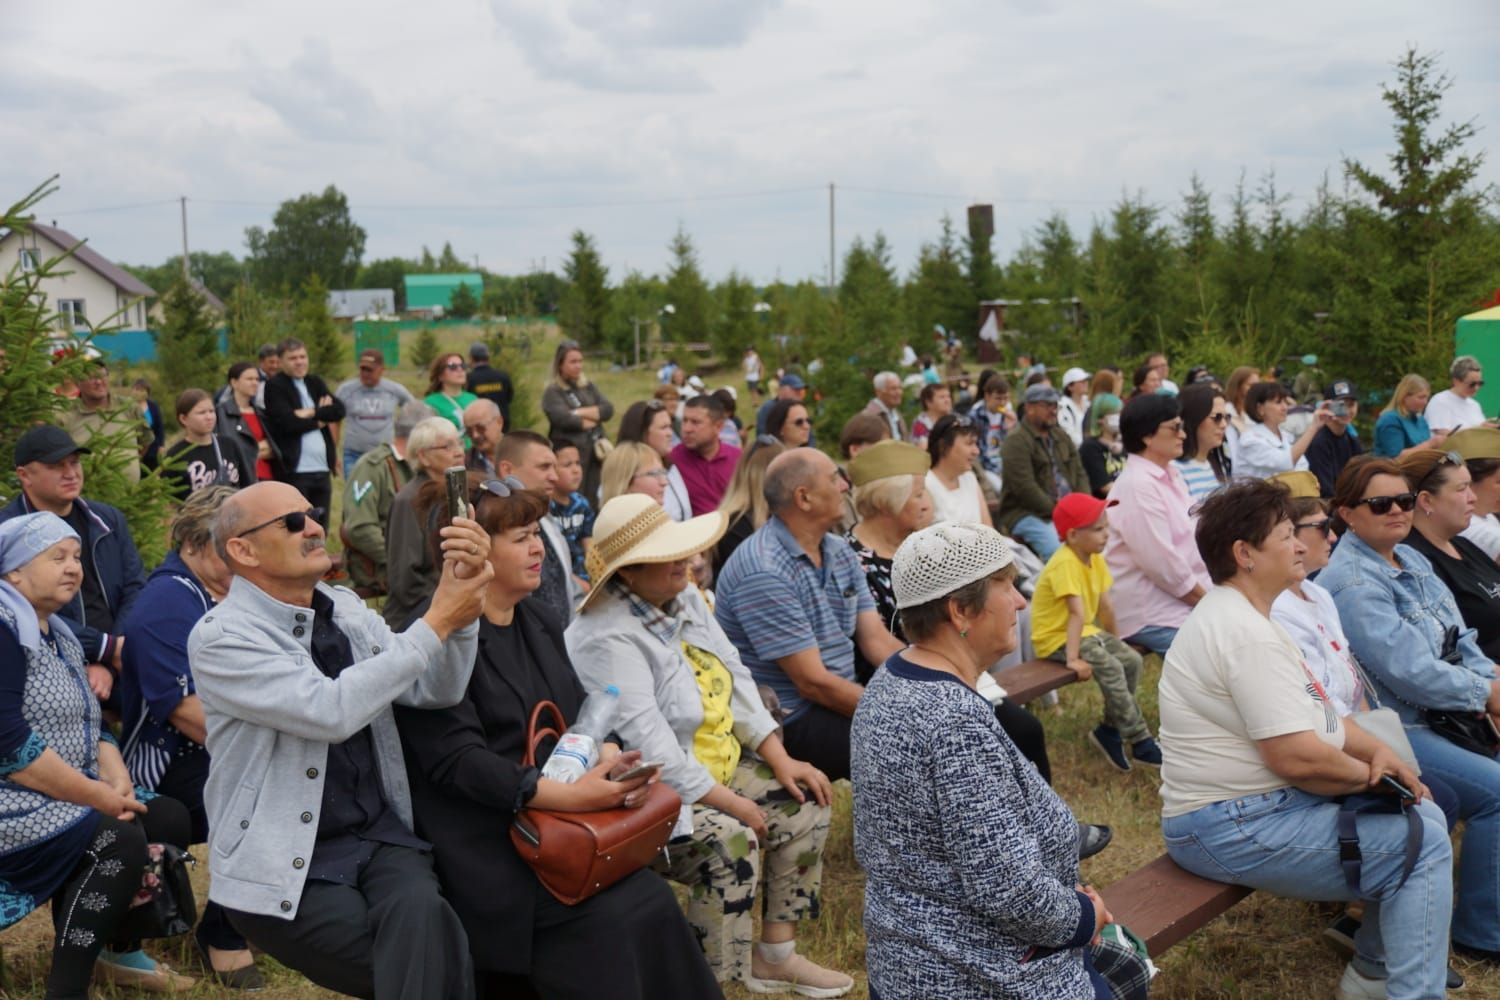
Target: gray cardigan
<point>661,707</point>
<point>271,715</point>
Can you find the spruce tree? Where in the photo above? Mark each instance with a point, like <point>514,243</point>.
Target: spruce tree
<point>314,326</point>
<point>187,345</point>
<point>584,309</point>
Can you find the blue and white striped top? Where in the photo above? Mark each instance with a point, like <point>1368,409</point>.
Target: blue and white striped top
<point>1198,475</point>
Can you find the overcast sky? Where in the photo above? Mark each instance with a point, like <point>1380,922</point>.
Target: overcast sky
<point>503,125</point>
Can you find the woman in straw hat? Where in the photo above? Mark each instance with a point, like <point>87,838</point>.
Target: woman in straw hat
<point>629,942</point>
<point>971,860</point>
<point>686,700</point>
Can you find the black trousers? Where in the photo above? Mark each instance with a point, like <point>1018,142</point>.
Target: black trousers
<point>819,736</point>
<point>184,781</point>
<point>316,486</point>
<point>87,910</point>
<point>1026,732</point>
<point>391,937</point>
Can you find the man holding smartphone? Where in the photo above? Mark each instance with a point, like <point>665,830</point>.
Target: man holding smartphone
<point>1337,441</point>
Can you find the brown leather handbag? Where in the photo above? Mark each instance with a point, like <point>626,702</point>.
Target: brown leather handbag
<point>577,854</point>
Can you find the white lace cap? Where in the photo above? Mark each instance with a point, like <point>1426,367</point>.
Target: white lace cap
<point>936,561</point>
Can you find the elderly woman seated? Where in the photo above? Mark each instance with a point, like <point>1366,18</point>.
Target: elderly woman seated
<point>971,860</point>
<point>74,831</point>
<point>1257,761</point>
<point>628,942</point>
<point>687,701</point>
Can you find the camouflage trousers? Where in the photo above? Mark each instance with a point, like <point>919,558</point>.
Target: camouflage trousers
<point>1117,669</point>
<point>722,867</point>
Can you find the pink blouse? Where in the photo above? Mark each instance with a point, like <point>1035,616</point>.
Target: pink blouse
<point>1151,549</point>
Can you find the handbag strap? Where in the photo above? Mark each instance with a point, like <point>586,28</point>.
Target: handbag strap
<point>1350,858</point>
<point>535,735</point>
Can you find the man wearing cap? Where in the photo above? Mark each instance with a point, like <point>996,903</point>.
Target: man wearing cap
<point>312,851</point>
<point>1074,403</point>
<point>887,404</point>
<point>794,601</point>
<point>370,405</point>
<point>51,476</point>
<point>370,487</point>
<point>1336,441</point>
<point>95,414</point>
<point>489,383</point>
<point>790,386</point>
<point>1041,467</point>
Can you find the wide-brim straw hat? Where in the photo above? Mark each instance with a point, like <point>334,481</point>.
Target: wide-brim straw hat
<point>634,529</point>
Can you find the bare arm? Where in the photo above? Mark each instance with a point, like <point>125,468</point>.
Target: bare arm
<point>814,682</point>
<point>187,719</point>
<point>1074,638</point>
<point>874,640</point>
<point>55,777</point>
<point>1106,616</point>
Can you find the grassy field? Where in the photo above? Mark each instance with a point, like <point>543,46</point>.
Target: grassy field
<point>1264,948</point>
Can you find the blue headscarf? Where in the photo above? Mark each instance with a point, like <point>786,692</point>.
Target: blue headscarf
<point>22,539</point>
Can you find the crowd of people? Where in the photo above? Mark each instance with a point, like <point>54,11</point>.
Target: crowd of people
<point>350,737</point>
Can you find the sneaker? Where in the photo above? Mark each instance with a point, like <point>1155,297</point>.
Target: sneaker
<point>1357,987</point>
<point>1107,740</point>
<point>798,974</point>
<point>138,970</point>
<point>1146,752</point>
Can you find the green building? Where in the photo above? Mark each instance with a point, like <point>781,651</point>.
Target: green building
<point>427,291</point>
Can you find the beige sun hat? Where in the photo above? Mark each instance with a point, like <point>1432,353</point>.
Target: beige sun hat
<point>632,529</point>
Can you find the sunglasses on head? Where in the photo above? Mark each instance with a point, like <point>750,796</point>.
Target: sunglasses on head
<point>1382,505</point>
<point>502,488</point>
<point>1447,458</point>
<point>294,523</point>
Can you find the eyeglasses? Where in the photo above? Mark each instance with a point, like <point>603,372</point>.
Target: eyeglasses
<point>1321,527</point>
<point>455,366</point>
<point>1171,427</point>
<point>1478,384</point>
<point>1382,505</point>
<point>1452,458</point>
<point>1219,418</point>
<point>800,422</point>
<point>295,522</point>
<point>502,488</point>
<point>654,474</point>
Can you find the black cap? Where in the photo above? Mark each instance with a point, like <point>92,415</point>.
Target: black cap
<point>45,443</point>
<point>478,351</point>
<point>1340,388</point>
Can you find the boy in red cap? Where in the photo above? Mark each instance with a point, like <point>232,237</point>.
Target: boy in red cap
<point>1072,621</point>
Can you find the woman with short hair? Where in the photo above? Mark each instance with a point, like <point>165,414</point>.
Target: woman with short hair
<point>688,701</point>
<point>1401,429</point>
<point>787,421</point>
<point>1404,626</point>
<point>1264,449</point>
<point>1480,448</point>
<point>432,448</point>
<point>577,411</point>
<point>1256,761</point>
<point>956,495</point>
<point>970,859</point>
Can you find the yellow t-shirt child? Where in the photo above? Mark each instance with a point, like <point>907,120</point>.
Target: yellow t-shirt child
<point>1066,575</point>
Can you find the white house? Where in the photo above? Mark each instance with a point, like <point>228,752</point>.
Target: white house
<point>352,303</point>
<point>94,292</point>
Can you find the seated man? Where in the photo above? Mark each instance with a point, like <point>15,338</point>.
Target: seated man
<point>372,485</point>
<point>794,601</point>
<point>703,463</point>
<point>1041,467</point>
<point>51,475</point>
<point>311,848</point>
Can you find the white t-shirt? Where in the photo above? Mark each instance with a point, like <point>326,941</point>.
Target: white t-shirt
<point>1259,453</point>
<point>1313,623</point>
<point>1447,410</point>
<point>963,504</point>
<point>1485,533</point>
<point>1232,677</point>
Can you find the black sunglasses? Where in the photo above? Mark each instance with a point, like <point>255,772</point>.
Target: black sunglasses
<point>1321,527</point>
<point>1218,418</point>
<point>1382,505</point>
<point>295,522</point>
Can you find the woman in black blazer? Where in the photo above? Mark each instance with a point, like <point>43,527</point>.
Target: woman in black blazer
<point>630,942</point>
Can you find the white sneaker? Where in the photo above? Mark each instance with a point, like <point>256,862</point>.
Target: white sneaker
<point>1356,987</point>
<point>797,974</point>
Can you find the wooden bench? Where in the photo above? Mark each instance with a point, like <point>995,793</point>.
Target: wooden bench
<point>1032,679</point>
<point>1164,904</point>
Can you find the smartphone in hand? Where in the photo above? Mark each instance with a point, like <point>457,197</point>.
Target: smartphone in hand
<point>457,481</point>
<point>643,767</point>
<point>1393,785</point>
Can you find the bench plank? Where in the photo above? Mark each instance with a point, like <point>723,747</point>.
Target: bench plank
<point>1032,679</point>
<point>1164,904</point>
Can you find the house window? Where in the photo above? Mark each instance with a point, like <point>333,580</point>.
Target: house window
<point>28,260</point>
<point>71,313</point>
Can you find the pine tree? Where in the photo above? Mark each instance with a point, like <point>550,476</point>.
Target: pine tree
<point>254,319</point>
<point>865,337</point>
<point>693,312</point>
<point>425,349</point>
<point>737,327</point>
<point>939,293</point>
<point>187,345</point>
<point>584,309</point>
<point>327,351</point>
<point>463,303</point>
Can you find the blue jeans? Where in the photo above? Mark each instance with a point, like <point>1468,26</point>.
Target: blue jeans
<point>1286,842</point>
<point>350,457</point>
<point>1476,779</point>
<point>1038,535</point>
<point>1157,638</point>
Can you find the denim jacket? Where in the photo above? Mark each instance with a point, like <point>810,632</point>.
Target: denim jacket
<point>1395,620</point>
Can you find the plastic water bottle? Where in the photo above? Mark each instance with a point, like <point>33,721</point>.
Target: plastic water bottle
<point>578,750</point>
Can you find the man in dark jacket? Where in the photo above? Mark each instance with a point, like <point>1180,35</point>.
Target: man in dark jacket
<point>299,409</point>
<point>487,382</point>
<point>1041,466</point>
<point>51,476</point>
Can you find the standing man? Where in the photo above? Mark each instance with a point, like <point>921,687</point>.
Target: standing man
<point>51,476</point>
<point>370,404</point>
<point>528,457</point>
<point>370,486</point>
<point>1041,467</point>
<point>1455,408</point>
<point>887,403</point>
<point>754,369</point>
<point>794,601</point>
<point>299,411</point>
<point>702,459</point>
<point>489,383</point>
<point>790,386</point>
<point>311,851</point>
<point>1336,441</point>
<point>485,426</point>
<point>95,414</point>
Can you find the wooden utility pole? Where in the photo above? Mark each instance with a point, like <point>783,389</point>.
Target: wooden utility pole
<point>832,260</point>
<point>186,274</point>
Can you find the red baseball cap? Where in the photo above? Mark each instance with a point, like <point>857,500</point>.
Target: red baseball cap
<point>1076,510</point>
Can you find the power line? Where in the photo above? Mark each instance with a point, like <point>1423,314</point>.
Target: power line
<point>971,199</point>
<point>368,206</point>
<point>114,208</point>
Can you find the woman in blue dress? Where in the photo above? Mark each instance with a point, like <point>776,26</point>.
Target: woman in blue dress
<point>73,830</point>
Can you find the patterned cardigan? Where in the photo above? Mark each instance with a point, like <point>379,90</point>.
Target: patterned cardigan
<point>970,859</point>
